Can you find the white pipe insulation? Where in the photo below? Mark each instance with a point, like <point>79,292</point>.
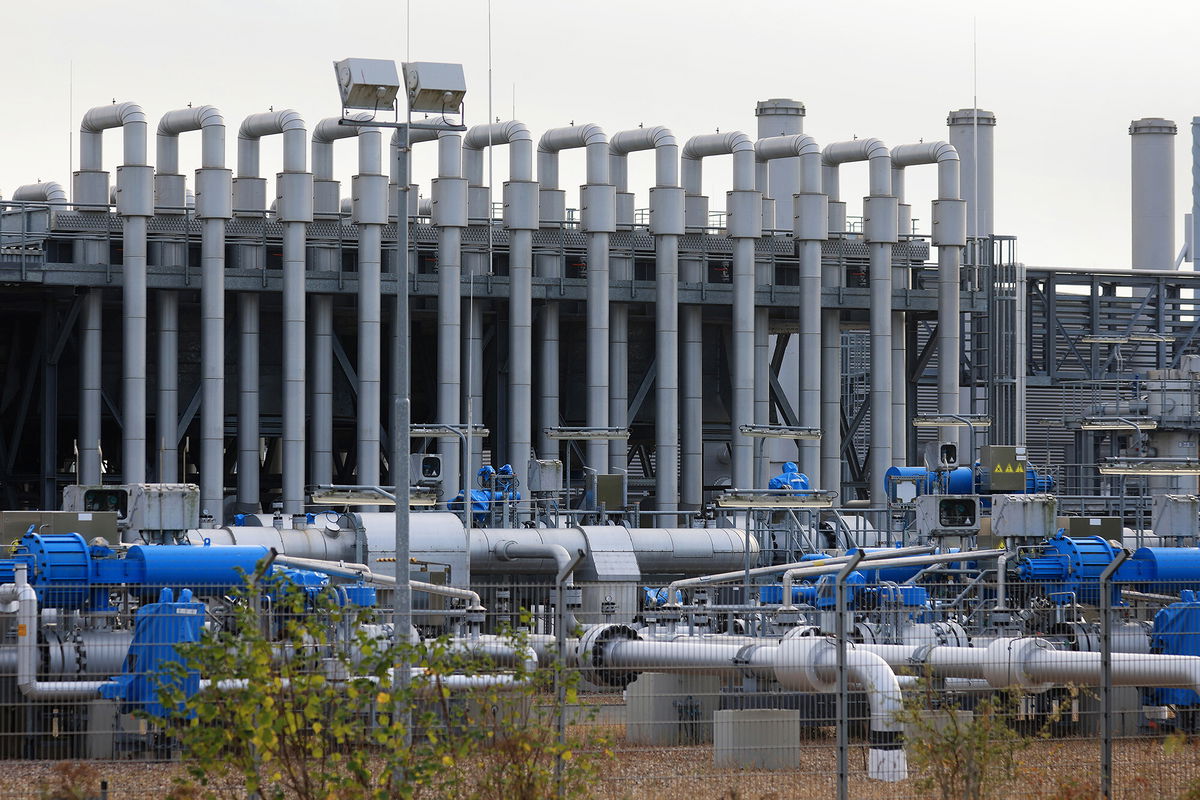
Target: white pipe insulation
<point>449,212</point>
<point>598,201</point>
<point>294,210</point>
<point>369,202</point>
<point>879,232</point>
<point>213,206</point>
<point>949,235</point>
<point>27,647</point>
<point>49,192</point>
<point>666,225</point>
<point>135,204</point>
<point>810,228</point>
<point>744,225</point>
<point>798,663</point>
<point>521,220</point>
<point>1035,664</point>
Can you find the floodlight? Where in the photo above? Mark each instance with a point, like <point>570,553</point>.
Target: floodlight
<point>783,498</point>
<point>433,87</point>
<point>367,83</point>
<point>951,421</point>
<point>781,431</point>
<point>447,431</point>
<point>579,434</point>
<point>1104,339</point>
<point>1118,465</point>
<point>1100,423</point>
<point>351,496</point>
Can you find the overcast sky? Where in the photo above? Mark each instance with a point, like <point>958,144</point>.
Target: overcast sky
<point>1064,79</point>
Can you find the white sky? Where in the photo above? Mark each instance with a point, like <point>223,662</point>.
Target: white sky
<point>1064,77</point>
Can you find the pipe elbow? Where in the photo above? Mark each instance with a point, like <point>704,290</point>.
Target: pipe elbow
<point>908,155</point>
<point>266,123</point>
<point>114,116</point>
<point>176,122</point>
<point>557,139</point>
<point>48,192</point>
<point>800,144</point>
<point>875,148</point>
<point>330,129</point>
<point>480,136</point>
<point>625,142</point>
<point>716,144</point>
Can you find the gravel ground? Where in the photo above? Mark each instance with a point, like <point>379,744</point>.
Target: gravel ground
<point>1047,770</point>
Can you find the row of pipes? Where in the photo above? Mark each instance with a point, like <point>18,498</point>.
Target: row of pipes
<point>783,172</point>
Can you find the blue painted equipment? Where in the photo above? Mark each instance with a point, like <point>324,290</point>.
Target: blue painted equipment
<point>1176,632</point>
<point>158,628</point>
<point>66,572</point>
<point>1069,568</point>
<point>1162,570</point>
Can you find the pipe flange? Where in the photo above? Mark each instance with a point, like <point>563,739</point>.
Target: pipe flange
<point>1006,659</point>
<point>590,655</point>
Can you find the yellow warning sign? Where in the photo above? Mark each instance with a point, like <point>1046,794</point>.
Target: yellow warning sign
<point>21,630</point>
<point>998,469</point>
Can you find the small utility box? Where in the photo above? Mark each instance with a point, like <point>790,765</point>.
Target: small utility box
<point>1024,516</point>
<point>1177,516</point>
<point>1005,467</point>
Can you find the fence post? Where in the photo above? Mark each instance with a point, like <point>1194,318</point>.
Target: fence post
<point>1106,715</point>
<point>843,699</point>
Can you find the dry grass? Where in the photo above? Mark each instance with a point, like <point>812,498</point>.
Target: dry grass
<point>1065,769</point>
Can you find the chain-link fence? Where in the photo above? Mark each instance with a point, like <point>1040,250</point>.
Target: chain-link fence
<point>1068,668</point>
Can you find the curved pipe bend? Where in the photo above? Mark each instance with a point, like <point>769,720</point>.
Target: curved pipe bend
<point>481,136</point>
<point>182,120</point>
<point>625,142</point>
<point>266,123</point>
<point>557,139</point>
<point>798,144</point>
<point>115,116</point>
<point>50,192</point>
<point>908,155</point>
<point>716,144</point>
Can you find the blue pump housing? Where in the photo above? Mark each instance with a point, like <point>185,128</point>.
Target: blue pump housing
<point>158,629</point>
<point>1176,632</point>
<point>1070,568</point>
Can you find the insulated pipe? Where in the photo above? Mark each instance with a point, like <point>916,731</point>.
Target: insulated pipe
<point>213,206</point>
<point>949,235</point>
<point>691,385</point>
<point>564,562</point>
<point>27,650</point>
<point>135,203</point>
<point>49,192</point>
<point>808,571</point>
<point>667,225</point>
<point>369,212</point>
<point>797,663</point>
<point>810,227</point>
<point>363,573</point>
<point>520,217</point>
<point>294,195</point>
<point>450,216</point>
<point>598,221</point>
<point>1153,192</point>
<point>1035,664</point>
<point>726,577</point>
<point>167,414</point>
<point>744,226</point>
<point>880,234</point>
<point>1193,237</point>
